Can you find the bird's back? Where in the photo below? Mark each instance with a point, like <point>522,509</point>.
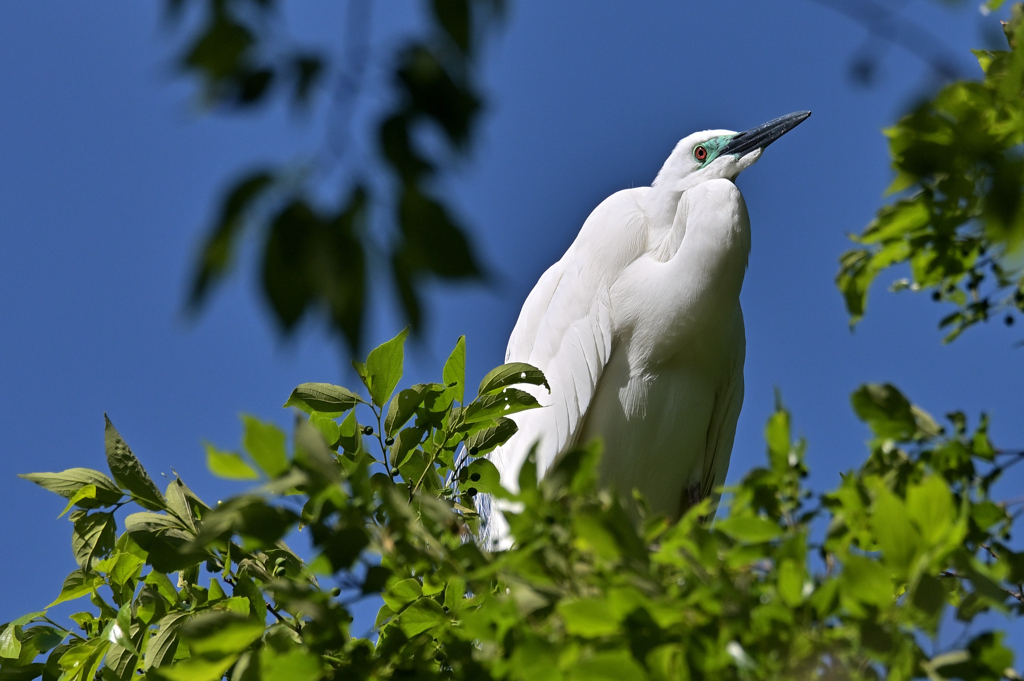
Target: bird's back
<point>640,335</point>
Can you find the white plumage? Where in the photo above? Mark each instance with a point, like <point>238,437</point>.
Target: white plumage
<point>639,331</point>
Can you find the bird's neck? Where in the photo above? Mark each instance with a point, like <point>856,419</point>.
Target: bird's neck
<point>661,206</point>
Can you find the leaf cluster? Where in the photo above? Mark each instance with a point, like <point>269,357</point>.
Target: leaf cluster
<point>785,584</point>
<point>959,223</point>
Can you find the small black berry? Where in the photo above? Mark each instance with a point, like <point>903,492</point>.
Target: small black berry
<point>1009,320</point>
<point>335,592</point>
<point>936,296</point>
<point>471,491</point>
<point>475,477</point>
<point>394,472</point>
<point>390,441</point>
<point>367,430</point>
<point>473,451</point>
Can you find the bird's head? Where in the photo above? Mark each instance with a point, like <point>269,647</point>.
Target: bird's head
<point>713,154</point>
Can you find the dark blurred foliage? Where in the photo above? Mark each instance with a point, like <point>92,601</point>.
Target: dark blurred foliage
<point>317,256</point>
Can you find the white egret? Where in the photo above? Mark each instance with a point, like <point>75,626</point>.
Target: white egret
<point>639,331</point>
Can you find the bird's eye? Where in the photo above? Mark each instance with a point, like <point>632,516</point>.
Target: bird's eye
<point>700,153</point>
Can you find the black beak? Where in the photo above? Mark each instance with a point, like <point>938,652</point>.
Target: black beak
<point>763,135</point>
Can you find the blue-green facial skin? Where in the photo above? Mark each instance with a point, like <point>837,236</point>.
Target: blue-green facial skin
<point>714,147</point>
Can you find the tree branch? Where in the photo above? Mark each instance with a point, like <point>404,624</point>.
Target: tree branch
<point>886,24</point>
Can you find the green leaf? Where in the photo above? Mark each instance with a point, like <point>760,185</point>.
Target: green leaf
<point>895,535</point>
<point>88,492</point>
<point>421,616</point>
<point>82,661</point>
<point>323,398</point>
<point>312,454</point>
<point>183,503</point>
<point>119,631</point>
<point>384,368</point>
<point>93,537</point>
<point>865,581</point>
<point>853,280</point>
<point>328,427</point>
<point>402,593</point>
<point>483,441</point>
<point>454,373</point>
<point>930,507</point>
<point>749,529</point>
<point>791,583</point>
<point>593,535</point>
<point>153,522</point>
<point>164,586</point>
<point>68,483</point>
<point>228,465</point>
<point>246,588</point>
<point>265,443</point>
<point>588,617</point>
<point>514,373</point>
<point>483,476</point>
<point>25,619</point>
<point>402,408</point>
<point>405,444</point>
<point>886,411</point>
<point>129,473</point>
<point>198,669</point>
<point>126,567</point>
<point>897,220</point>
<point>292,664</point>
<point>77,584</point>
<point>221,633</point>
<point>10,643</point>
<point>778,435</point>
<point>986,659</point>
<point>508,401</point>
<point>607,665</point>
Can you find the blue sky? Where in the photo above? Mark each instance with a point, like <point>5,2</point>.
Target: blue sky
<point>109,173</point>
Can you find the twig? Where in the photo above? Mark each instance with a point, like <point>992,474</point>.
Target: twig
<point>884,23</point>
<point>350,80</point>
<point>1016,595</point>
<point>277,614</point>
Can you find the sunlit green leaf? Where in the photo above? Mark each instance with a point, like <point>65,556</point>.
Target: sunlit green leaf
<point>129,473</point>
<point>332,400</point>
<point>68,483</point>
<point>228,465</point>
<point>454,373</point>
<point>296,664</point>
<point>750,529</point>
<point>485,440</point>
<point>422,615</point>
<point>220,633</point>
<point>514,373</point>
<point>265,443</point>
<point>384,368</point>
<point>77,584</point>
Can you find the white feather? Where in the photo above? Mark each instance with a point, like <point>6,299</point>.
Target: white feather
<point>639,332</point>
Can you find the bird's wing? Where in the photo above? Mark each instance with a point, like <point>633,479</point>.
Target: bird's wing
<point>565,330</point>
<point>722,429</point>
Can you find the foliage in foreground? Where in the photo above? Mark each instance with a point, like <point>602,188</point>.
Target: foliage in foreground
<point>786,584</point>
<point>960,222</point>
